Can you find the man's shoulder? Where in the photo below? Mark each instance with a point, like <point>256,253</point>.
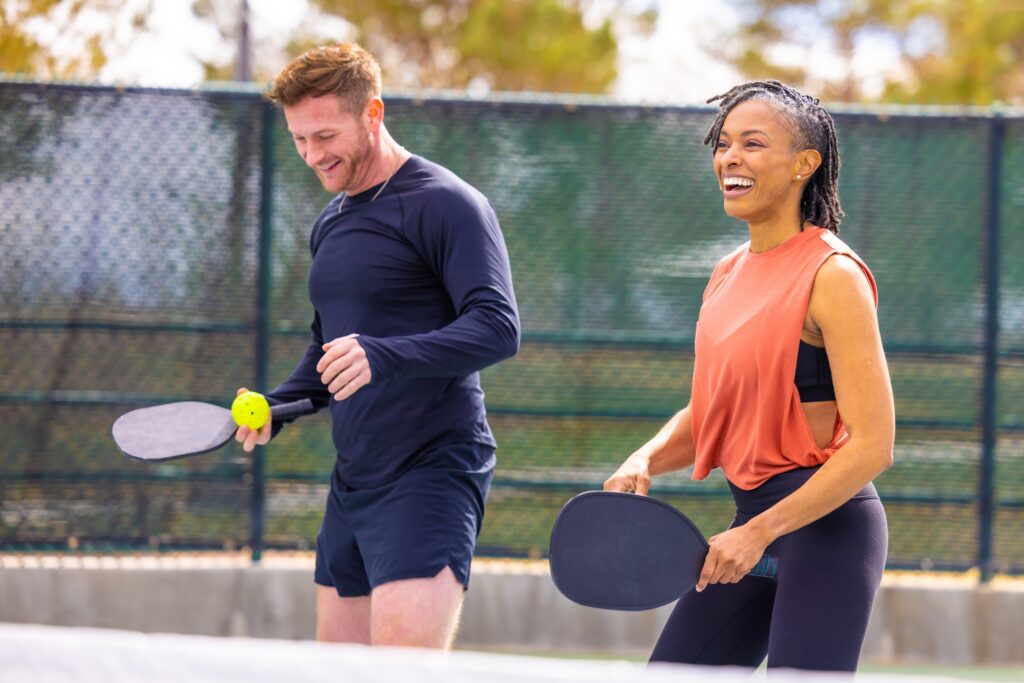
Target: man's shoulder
<point>439,178</point>
<point>424,168</point>
<point>434,185</point>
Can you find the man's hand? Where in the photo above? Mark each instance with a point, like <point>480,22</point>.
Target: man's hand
<point>251,438</point>
<point>344,367</point>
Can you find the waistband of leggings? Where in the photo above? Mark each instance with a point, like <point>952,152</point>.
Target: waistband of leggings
<point>781,485</point>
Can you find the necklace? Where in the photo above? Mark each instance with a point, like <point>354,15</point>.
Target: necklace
<point>375,194</point>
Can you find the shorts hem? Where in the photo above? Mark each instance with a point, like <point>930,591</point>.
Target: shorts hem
<point>343,593</point>
<point>428,572</point>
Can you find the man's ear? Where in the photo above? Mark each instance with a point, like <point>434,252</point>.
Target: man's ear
<point>374,113</point>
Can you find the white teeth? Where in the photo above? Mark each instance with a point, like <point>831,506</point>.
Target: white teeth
<point>738,182</point>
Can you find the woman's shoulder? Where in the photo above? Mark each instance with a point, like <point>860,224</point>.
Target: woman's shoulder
<point>726,263</point>
<point>841,271</point>
<point>845,275</point>
<point>833,240</point>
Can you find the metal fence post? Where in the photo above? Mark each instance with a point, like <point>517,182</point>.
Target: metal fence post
<point>989,417</point>
<point>262,355</point>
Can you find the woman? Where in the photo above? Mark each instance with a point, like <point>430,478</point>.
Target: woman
<point>791,398</point>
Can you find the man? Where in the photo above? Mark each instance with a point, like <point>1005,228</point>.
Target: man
<point>412,294</point>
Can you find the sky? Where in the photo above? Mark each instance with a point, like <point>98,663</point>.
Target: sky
<point>178,41</point>
<point>671,65</point>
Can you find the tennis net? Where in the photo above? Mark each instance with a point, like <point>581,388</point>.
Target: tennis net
<point>52,654</point>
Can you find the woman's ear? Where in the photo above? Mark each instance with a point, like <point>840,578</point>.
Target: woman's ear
<point>807,162</point>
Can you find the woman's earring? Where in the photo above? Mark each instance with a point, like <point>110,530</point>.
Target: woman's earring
<point>799,177</point>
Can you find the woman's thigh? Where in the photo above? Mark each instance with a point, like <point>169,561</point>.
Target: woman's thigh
<point>725,624</point>
<point>829,572</point>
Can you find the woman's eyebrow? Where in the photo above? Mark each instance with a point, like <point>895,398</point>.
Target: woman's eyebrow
<point>745,133</point>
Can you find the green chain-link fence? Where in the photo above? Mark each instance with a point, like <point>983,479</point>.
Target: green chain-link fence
<point>154,247</point>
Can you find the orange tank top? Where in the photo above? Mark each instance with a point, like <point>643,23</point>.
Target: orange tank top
<point>745,407</point>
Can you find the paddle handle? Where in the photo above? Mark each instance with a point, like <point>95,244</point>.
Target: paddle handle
<point>285,411</point>
<point>767,567</point>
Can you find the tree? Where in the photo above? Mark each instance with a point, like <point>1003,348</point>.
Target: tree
<point>963,52</point>
<point>30,30</point>
<point>981,60</point>
<point>508,44</point>
<point>541,45</point>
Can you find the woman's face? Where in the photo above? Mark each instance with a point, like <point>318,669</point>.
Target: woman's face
<point>756,165</point>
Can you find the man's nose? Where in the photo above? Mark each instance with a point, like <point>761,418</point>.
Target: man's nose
<point>314,153</point>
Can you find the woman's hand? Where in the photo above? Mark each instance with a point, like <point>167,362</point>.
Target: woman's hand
<point>634,475</point>
<point>732,555</point>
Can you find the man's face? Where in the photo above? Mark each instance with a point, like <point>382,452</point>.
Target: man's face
<point>332,141</point>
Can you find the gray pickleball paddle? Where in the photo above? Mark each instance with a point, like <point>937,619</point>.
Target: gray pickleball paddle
<point>185,428</point>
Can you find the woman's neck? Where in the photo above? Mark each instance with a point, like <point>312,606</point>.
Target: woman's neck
<point>769,233</point>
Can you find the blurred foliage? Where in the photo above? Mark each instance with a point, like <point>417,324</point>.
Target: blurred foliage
<point>77,52</point>
<point>538,45</point>
<point>944,52</point>
<point>963,52</point>
<point>541,45</point>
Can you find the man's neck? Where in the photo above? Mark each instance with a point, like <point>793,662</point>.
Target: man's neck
<point>387,158</point>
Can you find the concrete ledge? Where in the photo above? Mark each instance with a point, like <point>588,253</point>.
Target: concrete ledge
<point>510,605</point>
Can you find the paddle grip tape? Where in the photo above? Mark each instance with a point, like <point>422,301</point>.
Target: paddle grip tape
<point>283,411</point>
<point>767,567</point>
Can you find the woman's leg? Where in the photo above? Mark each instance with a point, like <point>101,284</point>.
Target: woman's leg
<point>829,572</point>
<point>726,624</point>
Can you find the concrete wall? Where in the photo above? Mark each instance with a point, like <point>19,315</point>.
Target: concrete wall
<point>510,605</point>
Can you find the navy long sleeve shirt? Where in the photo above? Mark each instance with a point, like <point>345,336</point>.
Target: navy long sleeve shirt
<point>422,275</point>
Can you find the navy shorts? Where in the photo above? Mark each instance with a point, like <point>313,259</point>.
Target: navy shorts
<point>410,528</point>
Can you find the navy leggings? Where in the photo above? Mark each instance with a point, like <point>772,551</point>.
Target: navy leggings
<point>812,615</point>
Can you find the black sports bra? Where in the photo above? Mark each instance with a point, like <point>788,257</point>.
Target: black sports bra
<point>813,374</point>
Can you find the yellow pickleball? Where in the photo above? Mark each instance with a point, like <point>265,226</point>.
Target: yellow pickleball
<point>250,409</point>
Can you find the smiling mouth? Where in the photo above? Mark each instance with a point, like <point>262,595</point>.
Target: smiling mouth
<point>735,187</point>
<point>330,168</point>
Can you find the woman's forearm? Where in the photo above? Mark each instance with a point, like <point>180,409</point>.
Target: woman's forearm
<point>851,468</point>
<point>672,447</point>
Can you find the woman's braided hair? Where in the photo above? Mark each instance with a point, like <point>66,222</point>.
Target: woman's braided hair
<point>812,128</point>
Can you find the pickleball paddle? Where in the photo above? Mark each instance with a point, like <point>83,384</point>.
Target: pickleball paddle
<point>185,428</point>
<point>624,551</point>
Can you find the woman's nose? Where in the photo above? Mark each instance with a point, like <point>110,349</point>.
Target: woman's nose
<point>728,156</point>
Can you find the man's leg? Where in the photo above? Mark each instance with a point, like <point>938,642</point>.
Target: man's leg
<point>341,620</point>
<point>417,612</point>
<point>416,536</point>
<point>340,568</point>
